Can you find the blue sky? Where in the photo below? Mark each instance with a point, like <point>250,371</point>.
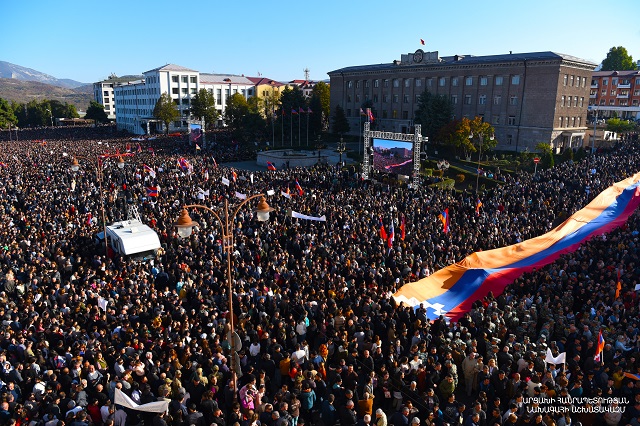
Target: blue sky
<point>87,40</point>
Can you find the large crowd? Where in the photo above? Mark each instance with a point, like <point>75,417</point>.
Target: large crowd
<point>323,342</point>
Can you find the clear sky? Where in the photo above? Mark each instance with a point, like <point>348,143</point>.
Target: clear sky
<point>87,40</point>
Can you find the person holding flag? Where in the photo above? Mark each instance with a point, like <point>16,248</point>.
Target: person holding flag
<point>391,236</point>
<point>299,188</point>
<point>402,228</point>
<point>478,205</point>
<point>444,218</point>
<point>234,175</point>
<point>149,170</point>
<point>383,233</point>
<point>271,166</point>
<point>599,347</point>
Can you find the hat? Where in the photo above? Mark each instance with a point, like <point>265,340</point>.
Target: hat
<point>379,411</point>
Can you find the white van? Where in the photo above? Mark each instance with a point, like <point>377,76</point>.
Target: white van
<point>132,239</point>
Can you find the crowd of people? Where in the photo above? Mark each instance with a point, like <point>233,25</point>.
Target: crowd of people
<point>322,340</point>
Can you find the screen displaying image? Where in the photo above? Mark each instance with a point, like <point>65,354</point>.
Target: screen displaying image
<point>393,156</point>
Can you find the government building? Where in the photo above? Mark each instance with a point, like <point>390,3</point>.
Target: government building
<point>527,97</point>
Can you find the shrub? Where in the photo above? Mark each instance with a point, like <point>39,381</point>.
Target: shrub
<point>438,173</point>
<point>460,178</point>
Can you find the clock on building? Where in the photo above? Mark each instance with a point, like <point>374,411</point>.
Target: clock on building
<point>417,57</point>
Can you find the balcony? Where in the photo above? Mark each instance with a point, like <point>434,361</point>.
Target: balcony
<point>594,85</point>
<point>593,95</point>
<point>621,96</point>
<point>624,86</point>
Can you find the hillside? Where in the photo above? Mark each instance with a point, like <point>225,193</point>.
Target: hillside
<point>25,91</point>
<point>17,72</point>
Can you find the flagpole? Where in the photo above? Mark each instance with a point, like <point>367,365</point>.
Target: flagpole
<point>307,127</point>
<point>299,119</point>
<point>291,128</point>
<point>282,128</point>
<point>360,135</point>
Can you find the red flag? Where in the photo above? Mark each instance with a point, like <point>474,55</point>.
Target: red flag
<point>599,348</point>
<point>383,233</point>
<point>402,229</point>
<point>444,218</point>
<point>422,42</point>
<point>152,191</point>
<point>139,147</point>
<point>89,217</point>
<point>235,175</point>
<point>271,166</point>
<point>299,188</point>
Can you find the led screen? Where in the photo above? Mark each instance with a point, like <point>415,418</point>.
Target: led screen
<point>393,156</point>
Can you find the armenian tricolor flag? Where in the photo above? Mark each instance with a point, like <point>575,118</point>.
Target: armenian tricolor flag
<point>271,166</point>
<point>445,219</point>
<point>452,290</point>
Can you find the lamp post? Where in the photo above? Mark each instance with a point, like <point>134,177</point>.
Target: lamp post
<point>480,142</point>
<point>75,166</point>
<point>185,226</point>
<point>341,148</point>
<point>50,116</point>
<point>593,141</point>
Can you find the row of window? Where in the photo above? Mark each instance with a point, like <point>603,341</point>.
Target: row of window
<point>566,101</point>
<point>619,102</point>
<point>184,79</point>
<point>614,92</point>
<point>615,81</point>
<point>429,81</point>
<point>569,121</point>
<point>468,100</point>
<point>574,80</point>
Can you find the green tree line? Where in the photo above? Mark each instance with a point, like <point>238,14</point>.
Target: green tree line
<point>34,113</point>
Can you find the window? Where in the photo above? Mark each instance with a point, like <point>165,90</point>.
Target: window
<point>560,119</point>
<point>614,81</point>
<point>348,98</point>
<point>513,100</point>
<point>571,81</point>
<point>499,79</point>
<point>406,99</point>
<point>385,99</point>
<point>185,101</point>
<point>468,81</point>
<point>578,121</point>
<point>442,81</point>
<point>394,114</point>
<point>515,79</point>
<point>467,99</point>
<point>454,99</point>
<point>483,81</point>
<point>605,81</point>
<point>634,102</point>
<point>636,93</point>
<point>396,82</point>
<point>429,82</point>
<point>512,120</point>
<point>497,100</point>
<point>226,93</point>
<point>612,102</point>
<point>174,91</point>
<point>107,107</point>
<point>573,122</point>
<point>192,91</point>
<point>604,92</point>
<point>454,81</point>
<point>623,102</point>
<point>375,98</point>
<point>174,78</point>
<point>184,78</point>
<point>581,102</point>
<point>357,98</point>
<point>386,83</point>
<point>106,93</point>
<point>482,100</point>
<point>405,115</point>
<point>495,119</point>
<point>395,99</point>
<point>348,112</point>
<point>177,123</point>
<point>407,82</point>
<point>106,100</point>
<point>192,79</point>
<point>564,80</point>
<point>366,84</point>
<point>417,99</point>
<point>184,91</point>
<point>384,114</point>
<point>376,83</point>
<point>357,84</point>
<point>613,92</point>
<point>418,82</point>
<point>584,81</point>
<point>349,84</point>
<point>637,81</point>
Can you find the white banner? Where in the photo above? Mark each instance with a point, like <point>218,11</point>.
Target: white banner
<point>305,217</point>
<point>560,359</point>
<point>225,181</point>
<point>285,194</point>
<point>152,407</point>
<point>241,196</point>
<point>271,192</point>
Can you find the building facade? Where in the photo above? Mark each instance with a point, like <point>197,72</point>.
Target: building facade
<point>615,94</point>
<point>136,100</point>
<point>528,97</point>
<point>103,92</point>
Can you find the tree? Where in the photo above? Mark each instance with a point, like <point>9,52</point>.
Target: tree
<point>434,112</point>
<point>96,112</point>
<point>237,108</point>
<point>340,122</point>
<point>7,116</point>
<point>203,106</point>
<point>458,134</point>
<point>620,126</point>
<point>546,153</point>
<point>320,104</point>
<point>166,111</point>
<point>618,59</point>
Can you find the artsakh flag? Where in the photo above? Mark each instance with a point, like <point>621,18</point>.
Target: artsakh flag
<point>599,348</point>
<point>299,188</point>
<point>184,164</point>
<point>234,175</point>
<point>444,218</point>
<point>422,42</point>
<point>149,170</point>
<point>383,233</point>
<point>391,236</point>
<point>152,191</point>
<point>478,205</point>
<point>271,166</point>
<point>402,229</point>
<point>293,111</point>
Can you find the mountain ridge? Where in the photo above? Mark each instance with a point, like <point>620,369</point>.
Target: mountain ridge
<point>18,72</point>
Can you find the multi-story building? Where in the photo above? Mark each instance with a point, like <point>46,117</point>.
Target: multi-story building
<point>135,101</point>
<point>615,94</point>
<point>527,97</point>
<point>103,92</point>
<point>306,86</point>
<point>269,91</point>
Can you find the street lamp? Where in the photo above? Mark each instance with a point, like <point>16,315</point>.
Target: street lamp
<point>480,142</point>
<point>185,226</point>
<point>341,148</point>
<point>50,116</point>
<point>75,166</point>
